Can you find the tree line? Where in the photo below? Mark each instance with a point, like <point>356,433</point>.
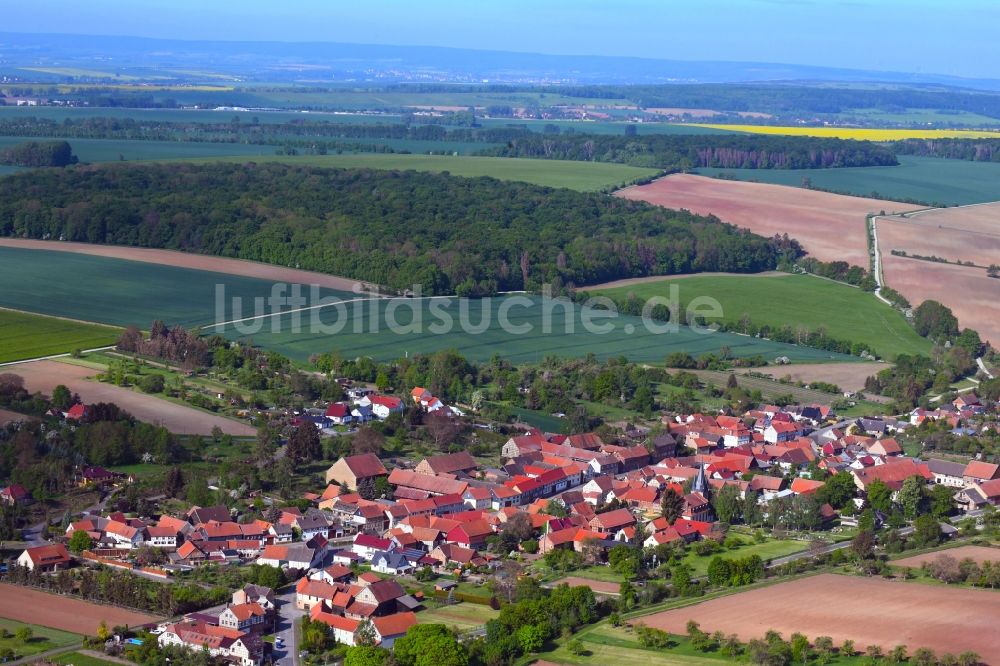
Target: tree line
<point>33,154</point>
<point>452,235</point>
<point>686,152</point>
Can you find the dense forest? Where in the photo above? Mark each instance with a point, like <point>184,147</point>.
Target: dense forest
<point>974,150</point>
<point>684,152</point>
<point>471,236</point>
<point>38,154</point>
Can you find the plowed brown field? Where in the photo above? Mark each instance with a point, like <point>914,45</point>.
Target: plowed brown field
<point>66,613</point>
<point>869,611</point>
<point>831,227</point>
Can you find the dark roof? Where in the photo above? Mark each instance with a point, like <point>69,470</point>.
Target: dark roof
<point>207,514</point>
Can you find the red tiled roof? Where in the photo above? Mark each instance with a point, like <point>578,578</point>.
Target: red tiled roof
<point>49,554</point>
<point>396,624</point>
<point>365,465</point>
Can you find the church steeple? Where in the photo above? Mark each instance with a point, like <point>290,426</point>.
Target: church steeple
<point>700,484</point>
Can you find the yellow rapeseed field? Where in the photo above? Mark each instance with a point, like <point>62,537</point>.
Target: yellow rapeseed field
<point>859,133</point>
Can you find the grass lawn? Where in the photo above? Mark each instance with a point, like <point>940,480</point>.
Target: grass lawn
<point>596,572</point>
<point>929,179</point>
<point>30,336</point>
<point>845,312</point>
<point>77,659</point>
<point>463,615</point>
<point>770,549</point>
<point>44,639</point>
<point>582,176</point>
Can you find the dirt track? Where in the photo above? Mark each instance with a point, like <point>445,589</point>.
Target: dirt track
<point>979,554</point>
<point>869,611</point>
<point>196,261</point>
<point>58,612</point>
<point>830,227</point>
<point>45,375</point>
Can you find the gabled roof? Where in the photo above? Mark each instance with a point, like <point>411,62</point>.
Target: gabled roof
<point>805,486</point>
<point>448,463</point>
<point>386,590</point>
<point>48,555</point>
<point>337,410</point>
<point>616,519</point>
<point>365,465</point>
<point>981,470</point>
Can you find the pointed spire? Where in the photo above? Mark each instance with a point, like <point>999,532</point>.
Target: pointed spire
<point>700,484</point>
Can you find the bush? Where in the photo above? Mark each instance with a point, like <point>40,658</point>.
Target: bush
<point>152,384</point>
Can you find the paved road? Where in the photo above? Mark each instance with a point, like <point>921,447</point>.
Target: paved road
<point>288,617</point>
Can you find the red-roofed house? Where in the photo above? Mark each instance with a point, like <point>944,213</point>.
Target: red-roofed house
<point>472,534</point>
<point>390,627</point>
<point>51,557</point>
<point>338,413</point>
<point>609,522</point>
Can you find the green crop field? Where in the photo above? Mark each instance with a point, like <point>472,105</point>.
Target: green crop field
<point>845,312</point>
<point>114,150</point>
<point>120,292</point>
<point>928,179</point>
<point>31,336</point>
<point>116,291</point>
<point>583,176</point>
<point>431,325</point>
<point>43,638</point>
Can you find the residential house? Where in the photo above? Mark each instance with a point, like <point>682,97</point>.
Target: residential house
<point>15,493</point>
<point>390,627</point>
<point>779,431</point>
<point>947,473</point>
<point>338,414</point>
<point>383,406</point>
<point>255,594</point>
<point>391,562</point>
<point>978,471</point>
<point>243,617</point>
<point>50,557</point>
<point>609,522</point>
<point>232,645</point>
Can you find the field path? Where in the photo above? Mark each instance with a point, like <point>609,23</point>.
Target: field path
<point>179,419</point>
<point>199,262</point>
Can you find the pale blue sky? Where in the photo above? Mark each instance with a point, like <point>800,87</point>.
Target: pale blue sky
<point>957,37</point>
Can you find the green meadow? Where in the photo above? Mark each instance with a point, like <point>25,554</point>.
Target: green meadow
<point>847,313</point>
<point>927,179</point>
